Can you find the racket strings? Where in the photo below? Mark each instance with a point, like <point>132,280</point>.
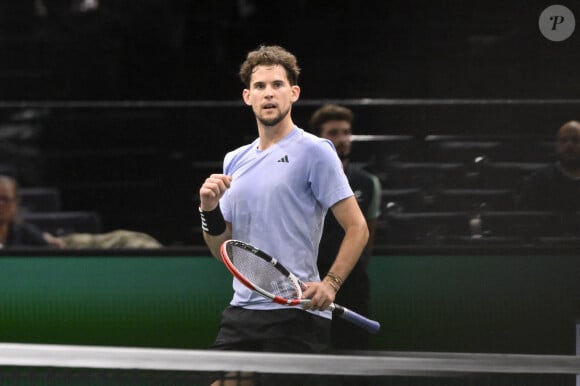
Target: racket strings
<point>262,273</point>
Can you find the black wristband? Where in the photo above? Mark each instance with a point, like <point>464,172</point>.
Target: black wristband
<point>213,221</point>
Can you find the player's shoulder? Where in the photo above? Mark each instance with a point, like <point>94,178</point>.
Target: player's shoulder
<point>311,141</point>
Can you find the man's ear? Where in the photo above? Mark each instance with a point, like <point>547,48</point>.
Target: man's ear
<point>295,93</point>
<point>246,96</point>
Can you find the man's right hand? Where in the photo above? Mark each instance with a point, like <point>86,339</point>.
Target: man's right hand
<point>212,190</point>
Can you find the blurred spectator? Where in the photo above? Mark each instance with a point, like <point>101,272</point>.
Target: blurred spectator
<point>17,233</point>
<point>556,187</point>
<point>117,239</point>
<point>13,232</point>
<point>334,123</point>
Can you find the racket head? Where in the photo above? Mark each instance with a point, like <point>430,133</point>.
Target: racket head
<point>261,273</point>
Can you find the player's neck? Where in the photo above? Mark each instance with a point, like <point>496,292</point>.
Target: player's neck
<point>270,135</point>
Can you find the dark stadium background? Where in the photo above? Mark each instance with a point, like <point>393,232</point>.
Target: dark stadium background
<point>130,102</point>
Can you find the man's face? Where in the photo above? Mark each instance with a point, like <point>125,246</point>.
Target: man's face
<point>568,144</point>
<point>340,134</point>
<point>270,94</point>
<point>8,202</point>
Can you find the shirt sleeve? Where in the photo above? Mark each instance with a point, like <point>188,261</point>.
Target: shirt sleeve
<point>327,178</point>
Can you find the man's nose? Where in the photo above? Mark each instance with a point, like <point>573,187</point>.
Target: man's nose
<point>269,90</point>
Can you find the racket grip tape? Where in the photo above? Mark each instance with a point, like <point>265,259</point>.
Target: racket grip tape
<point>370,325</point>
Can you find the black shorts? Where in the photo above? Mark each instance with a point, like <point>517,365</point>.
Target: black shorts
<point>284,330</point>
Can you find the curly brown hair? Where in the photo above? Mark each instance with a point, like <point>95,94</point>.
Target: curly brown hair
<point>269,56</point>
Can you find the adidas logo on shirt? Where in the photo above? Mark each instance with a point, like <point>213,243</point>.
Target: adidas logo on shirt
<point>284,159</point>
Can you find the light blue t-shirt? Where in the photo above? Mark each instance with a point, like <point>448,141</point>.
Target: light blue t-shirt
<point>277,202</point>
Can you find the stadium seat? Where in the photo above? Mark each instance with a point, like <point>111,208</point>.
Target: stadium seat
<point>465,148</point>
<point>375,148</point>
<point>506,175</point>
<point>423,228</point>
<point>40,200</point>
<point>403,200</point>
<point>64,223</point>
<point>474,199</point>
<point>429,176</point>
<point>529,226</point>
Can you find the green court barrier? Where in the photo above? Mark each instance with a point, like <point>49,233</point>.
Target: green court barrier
<point>112,300</point>
<point>485,303</point>
<point>499,303</point>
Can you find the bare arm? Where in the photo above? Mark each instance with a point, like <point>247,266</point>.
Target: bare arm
<point>210,193</point>
<point>214,242</point>
<point>350,217</point>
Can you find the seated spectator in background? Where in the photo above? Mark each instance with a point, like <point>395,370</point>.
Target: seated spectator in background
<point>117,239</point>
<point>334,123</point>
<point>556,187</point>
<point>13,232</point>
<point>17,233</point>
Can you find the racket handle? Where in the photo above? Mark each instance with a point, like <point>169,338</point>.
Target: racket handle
<point>370,325</point>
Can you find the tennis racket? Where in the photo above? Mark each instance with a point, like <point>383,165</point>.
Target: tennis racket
<point>264,275</point>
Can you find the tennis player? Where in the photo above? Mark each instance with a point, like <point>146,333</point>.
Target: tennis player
<point>274,193</point>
